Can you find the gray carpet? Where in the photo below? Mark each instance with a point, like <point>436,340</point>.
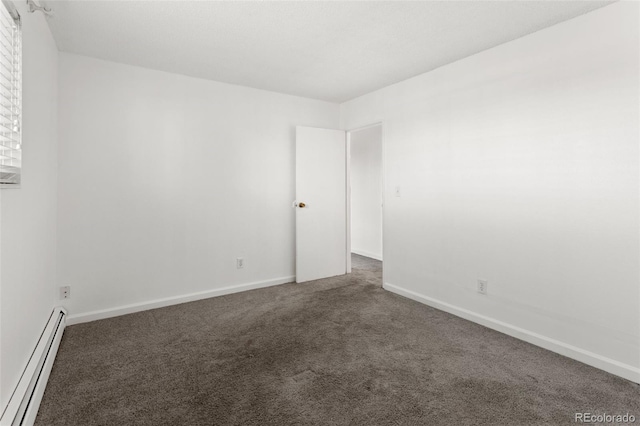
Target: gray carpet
<point>366,264</point>
<point>337,351</point>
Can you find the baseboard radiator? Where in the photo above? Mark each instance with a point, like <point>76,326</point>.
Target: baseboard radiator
<point>23,405</point>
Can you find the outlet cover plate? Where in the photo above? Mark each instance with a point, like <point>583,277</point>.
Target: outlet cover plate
<point>65,292</point>
<point>482,286</point>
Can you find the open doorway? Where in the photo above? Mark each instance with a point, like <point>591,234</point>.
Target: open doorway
<point>365,200</point>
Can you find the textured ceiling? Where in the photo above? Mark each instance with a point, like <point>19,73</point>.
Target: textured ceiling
<point>333,50</point>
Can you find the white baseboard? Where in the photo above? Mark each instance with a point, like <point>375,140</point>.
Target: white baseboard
<point>367,254</point>
<point>612,366</point>
<point>175,300</point>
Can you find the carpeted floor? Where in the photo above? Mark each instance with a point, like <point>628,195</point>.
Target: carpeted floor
<point>339,351</point>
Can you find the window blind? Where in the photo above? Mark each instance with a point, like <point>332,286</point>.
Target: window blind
<point>10,95</point>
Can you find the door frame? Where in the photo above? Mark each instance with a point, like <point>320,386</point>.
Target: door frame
<point>383,183</point>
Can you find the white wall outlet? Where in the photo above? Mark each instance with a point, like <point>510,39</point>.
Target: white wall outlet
<point>397,191</point>
<point>240,263</point>
<point>482,286</point>
<point>65,292</point>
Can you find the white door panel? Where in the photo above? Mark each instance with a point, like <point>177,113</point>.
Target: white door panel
<point>321,187</point>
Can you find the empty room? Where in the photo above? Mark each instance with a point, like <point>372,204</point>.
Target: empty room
<point>319,212</point>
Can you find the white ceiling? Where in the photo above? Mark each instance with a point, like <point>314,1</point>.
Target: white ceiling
<point>334,50</point>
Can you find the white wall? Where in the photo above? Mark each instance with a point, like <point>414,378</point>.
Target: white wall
<point>366,192</point>
<point>166,179</point>
<point>520,165</point>
<point>28,214</point>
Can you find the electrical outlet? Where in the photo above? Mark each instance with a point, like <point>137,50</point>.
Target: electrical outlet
<point>240,263</point>
<point>65,292</point>
<point>397,191</point>
<point>482,286</point>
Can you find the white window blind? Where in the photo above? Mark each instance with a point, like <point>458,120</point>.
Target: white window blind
<point>10,95</point>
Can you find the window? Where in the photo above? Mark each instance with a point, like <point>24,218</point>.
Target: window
<point>10,95</point>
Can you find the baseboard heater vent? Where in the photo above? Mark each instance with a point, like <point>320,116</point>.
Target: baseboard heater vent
<point>23,405</point>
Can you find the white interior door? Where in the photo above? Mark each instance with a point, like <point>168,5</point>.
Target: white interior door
<point>321,219</point>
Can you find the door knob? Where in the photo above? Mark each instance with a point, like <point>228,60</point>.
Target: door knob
<point>301,205</point>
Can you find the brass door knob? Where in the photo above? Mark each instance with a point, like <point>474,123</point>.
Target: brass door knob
<point>302,205</point>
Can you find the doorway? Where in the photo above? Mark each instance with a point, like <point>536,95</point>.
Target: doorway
<point>365,200</point>
<point>324,193</point>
